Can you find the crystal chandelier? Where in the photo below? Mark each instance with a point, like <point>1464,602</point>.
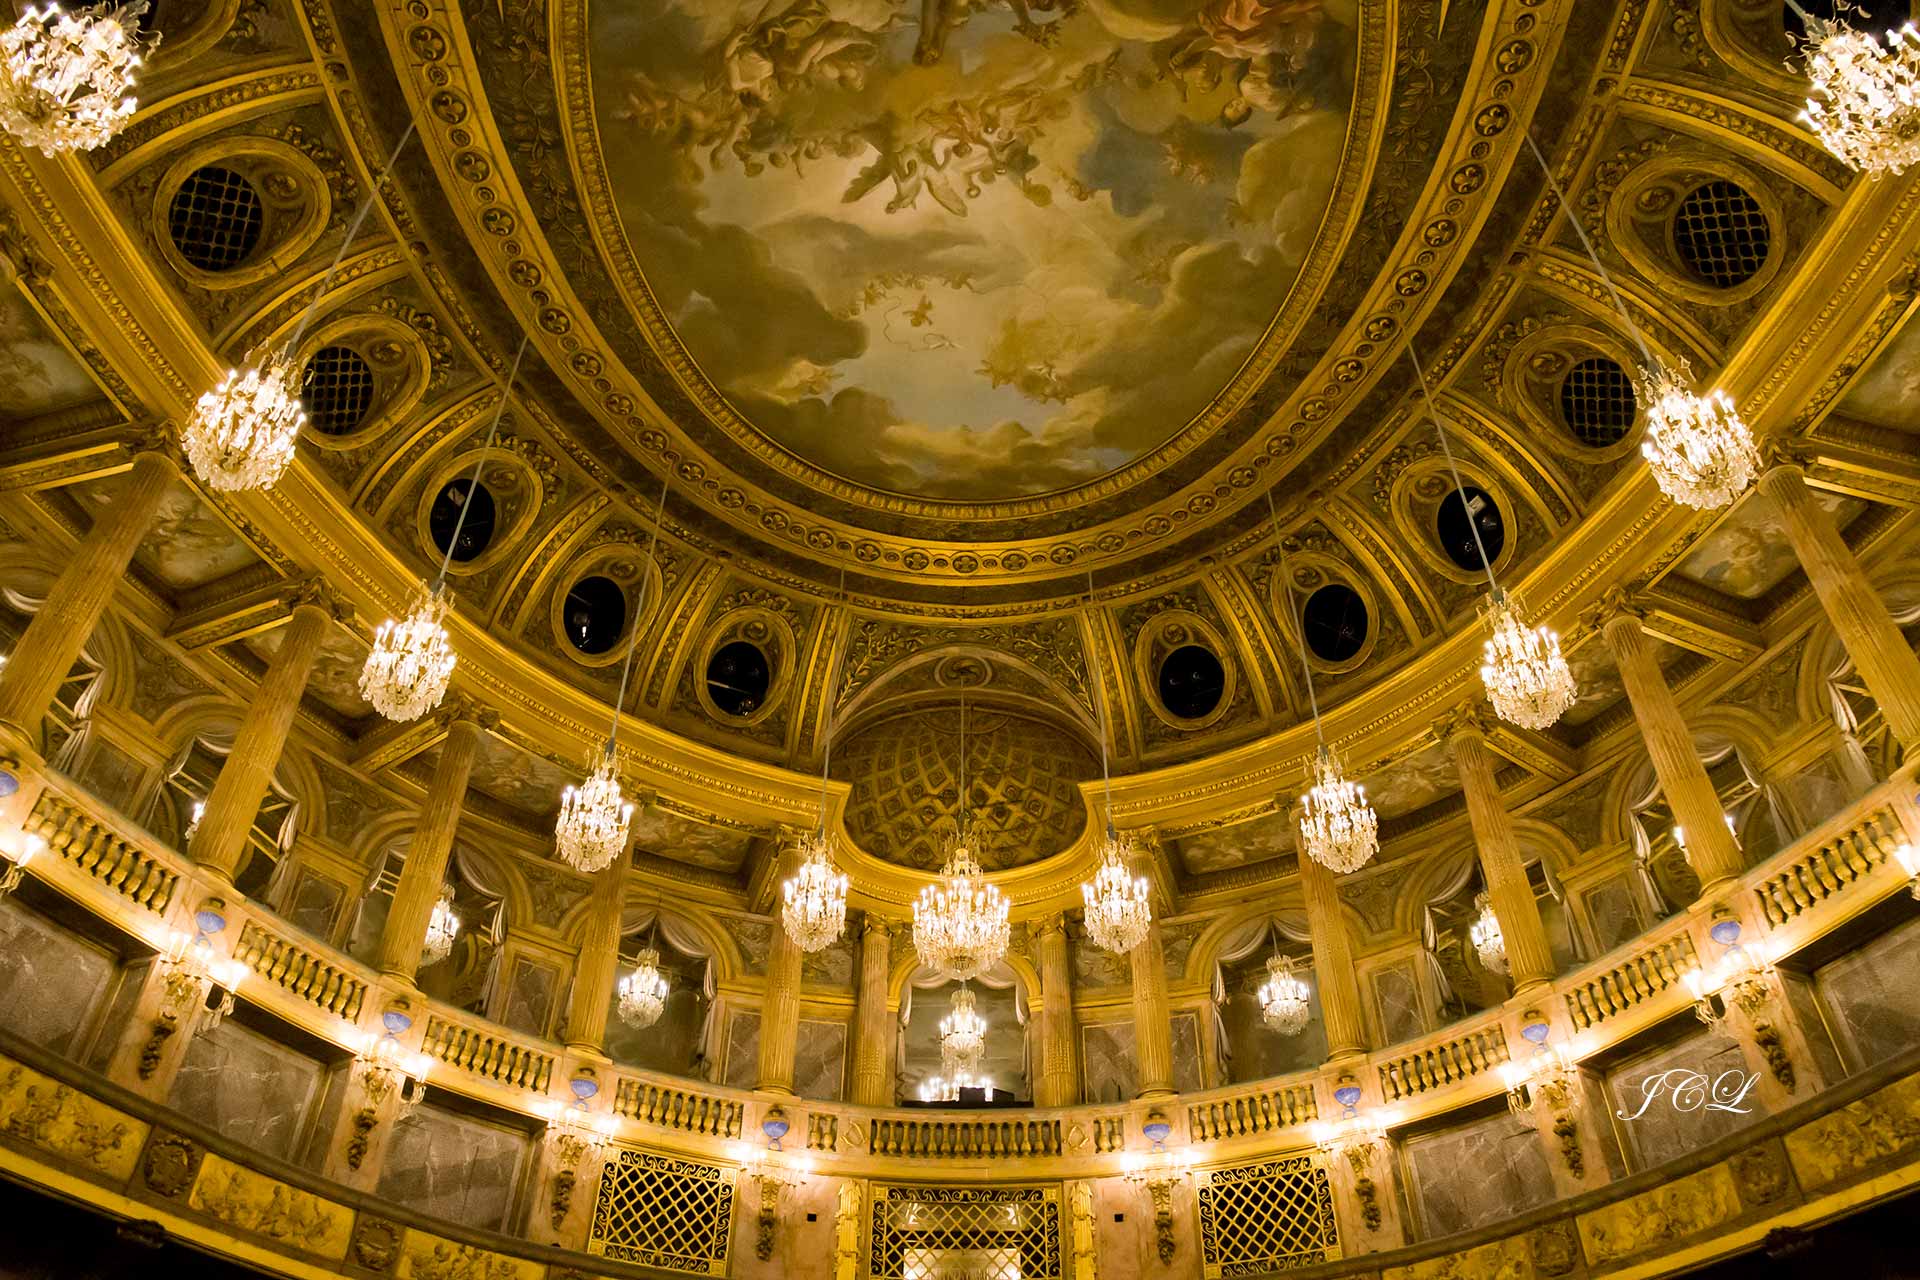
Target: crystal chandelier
<point>1488,942</point>
<point>593,818</point>
<point>1118,913</point>
<point>1699,450</point>
<point>1337,825</point>
<point>240,434</point>
<point>815,908</point>
<point>66,80</point>
<point>1527,678</point>
<point>963,1034</point>
<point>412,661</point>
<point>960,924</point>
<point>1865,106</point>
<point>443,926</point>
<point>1283,997</point>
<point>643,992</point>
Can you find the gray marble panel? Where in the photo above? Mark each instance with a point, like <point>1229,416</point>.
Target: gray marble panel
<point>242,1084</point>
<point>50,980</point>
<point>1477,1173</point>
<point>741,1060</point>
<point>1189,1070</point>
<point>1615,911</point>
<point>1106,1053</point>
<point>1663,1130</point>
<point>315,904</point>
<point>1396,994</point>
<point>820,1060</point>
<point>528,1002</point>
<point>455,1167</point>
<point>1872,997</point>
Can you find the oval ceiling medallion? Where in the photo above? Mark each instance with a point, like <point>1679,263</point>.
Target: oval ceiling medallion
<point>971,250</point>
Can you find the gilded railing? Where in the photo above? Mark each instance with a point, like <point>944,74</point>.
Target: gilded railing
<point>82,838</point>
<point>1266,1108</point>
<point>291,965</point>
<point>1461,1056</point>
<point>490,1053</point>
<point>951,1137</point>
<point>683,1110</point>
<point>1618,987</point>
<point>1830,866</point>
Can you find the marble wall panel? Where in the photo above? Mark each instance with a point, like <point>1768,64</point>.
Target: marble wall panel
<point>50,980</point>
<point>1396,996</point>
<point>111,774</point>
<point>741,1059</point>
<point>455,1167</point>
<point>1615,912</point>
<point>250,1088</point>
<point>1106,1052</point>
<point>820,1060</point>
<point>527,1004</point>
<point>1189,1068</point>
<point>1872,997</point>
<point>314,905</point>
<point>1663,1131</point>
<point>1506,1169</point>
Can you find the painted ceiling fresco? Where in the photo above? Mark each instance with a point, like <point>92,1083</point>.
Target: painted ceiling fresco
<point>1747,554</point>
<point>1888,391</point>
<point>37,374</point>
<point>189,544</point>
<point>971,249</point>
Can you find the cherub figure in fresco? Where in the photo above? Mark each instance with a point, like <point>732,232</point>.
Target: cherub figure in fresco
<point>966,146</point>
<point>801,44</point>
<point>1262,45</point>
<point>939,19</point>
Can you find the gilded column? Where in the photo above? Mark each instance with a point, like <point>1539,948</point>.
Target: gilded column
<point>220,844</point>
<point>1880,653</point>
<point>595,972</point>
<point>1152,1024</point>
<point>1529,958</point>
<point>1059,1084</point>
<point>53,640</point>
<point>872,1023</point>
<point>425,871</point>
<point>780,1011</point>
<point>1683,779</point>
<point>1333,963</point>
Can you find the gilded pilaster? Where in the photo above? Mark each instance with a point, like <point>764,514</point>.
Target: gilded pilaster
<point>780,1010</point>
<point>425,870</point>
<point>1333,963</point>
<point>1059,1084</point>
<point>1152,1024</point>
<point>873,1022</point>
<point>1529,958</point>
<point>594,973</point>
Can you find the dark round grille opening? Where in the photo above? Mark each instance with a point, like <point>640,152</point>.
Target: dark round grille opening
<point>1721,234</point>
<point>595,614</point>
<point>1192,682</point>
<point>1598,402</point>
<point>1457,520</point>
<point>337,391</point>
<point>1335,622</point>
<point>476,531</point>
<point>215,218</point>
<point>738,677</point>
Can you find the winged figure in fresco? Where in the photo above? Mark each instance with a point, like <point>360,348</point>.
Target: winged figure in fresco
<point>961,148</point>
<point>940,18</point>
<point>1261,45</point>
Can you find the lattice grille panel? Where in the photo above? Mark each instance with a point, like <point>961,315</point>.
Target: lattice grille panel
<point>338,390</point>
<point>1598,402</point>
<point>215,218</point>
<point>1271,1216</point>
<point>965,1233</point>
<point>1722,234</point>
<point>662,1211</point>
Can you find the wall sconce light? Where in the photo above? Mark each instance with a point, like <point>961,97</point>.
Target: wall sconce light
<point>1159,1170</point>
<point>574,1130</point>
<point>195,971</point>
<point>1742,976</point>
<point>386,1065</point>
<point>17,849</point>
<point>1546,1075</point>
<point>773,1170</point>
<point>1909,859</point>
<point>1356,1137</point>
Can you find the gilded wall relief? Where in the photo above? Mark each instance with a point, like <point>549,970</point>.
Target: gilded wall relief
<point>971,251</point>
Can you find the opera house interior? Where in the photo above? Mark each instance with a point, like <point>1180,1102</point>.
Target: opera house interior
<point>1347,705</point>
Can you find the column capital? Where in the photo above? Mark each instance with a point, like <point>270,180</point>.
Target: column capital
<point>461,709</point>
<point>1780,455</point>
<point>1053,922</point>
<point>316,593</point>
<point>1468,720</point>
<point>1618,606</point>
<point>159,439</point>
<point>871,922</point>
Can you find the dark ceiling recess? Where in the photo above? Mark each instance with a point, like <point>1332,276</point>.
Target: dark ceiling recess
<point>337,390</point>
<point>1192,682</point>
<point>738,677</point>
<point>1460,513</point>
<point>476,531</point>
<point>595,614</point>
<point>1721,234</point>
<point>1335,622</point>
<point>215,218</point>
<point>1598,402</point>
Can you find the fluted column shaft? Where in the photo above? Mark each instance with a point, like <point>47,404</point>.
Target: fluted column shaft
<point>1880,653</point>
<point>424,873</point>
<point>1332,962</point>
<point>872,1023</point>
<point>52,641</point>
<point>1059,1084</point>
<point>1683,779</point>
<point>1529,958</point>
<point>780,1011</point>
<point>1152,1023</point>
<point>220,843</point>
<point>596,970</point>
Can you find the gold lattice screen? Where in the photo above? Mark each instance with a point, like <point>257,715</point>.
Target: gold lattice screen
<point>1264,1217</point>
<point>662,1211</point>
<point>965,1233</point>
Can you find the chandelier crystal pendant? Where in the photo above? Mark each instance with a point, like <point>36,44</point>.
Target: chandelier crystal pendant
<point>1284,998</point>
<point>960,926</point>
<point>1488,942</point>
<point>412,661</point>
<point>66,79</point>
<point>593,818</point>
<point>643,991</point>
<point>1118,910</point>
<point>240,435</point>
<point>963,1034</point>
<point>814,912</point>
<point>443,927</point>
<point>1865,101</point>
<point>1337,826</point>
<point>1528,680</point>
<point>1698,447</point>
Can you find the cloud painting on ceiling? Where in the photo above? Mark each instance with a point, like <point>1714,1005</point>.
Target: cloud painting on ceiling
<point>971,249</point>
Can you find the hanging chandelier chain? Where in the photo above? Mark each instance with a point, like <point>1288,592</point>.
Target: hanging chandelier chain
<point>633,640</point>
<point>353,229</point>
<point>473,481</point>
<point>1453,469</point>
<point>1298,619</point>
<point>1106,728</point>
<point>1606,278</point>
